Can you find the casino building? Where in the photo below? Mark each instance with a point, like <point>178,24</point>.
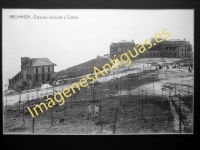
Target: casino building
<point>168,48</point>
<point>120,48</point>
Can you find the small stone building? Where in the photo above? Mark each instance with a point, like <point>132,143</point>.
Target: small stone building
<point>34,71</point>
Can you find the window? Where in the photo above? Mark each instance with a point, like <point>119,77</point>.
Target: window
<point>48,69</point>
<point>36,70</point>
<point>42,77</point>
<point>43,69</point>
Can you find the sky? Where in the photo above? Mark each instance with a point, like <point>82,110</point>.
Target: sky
<point>69,42</point>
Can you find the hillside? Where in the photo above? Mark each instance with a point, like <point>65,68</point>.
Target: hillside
<point>83,68</point>
<point>150,101</point>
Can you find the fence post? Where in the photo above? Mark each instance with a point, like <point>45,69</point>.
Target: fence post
<point>188,93</point>
<point>146,97</point>
<point>52,117</point>
<point>53,88</point>
<point>175,89</point>
<point>28,96</point>
<point>142,103</point>
<point>23,114</point>
<point>100,114</point>
<point>93,97</point>
<point>169,104</point>
<point>97,99</point>
<point>180,128</point>
<point>120,95</point>
<point>64,110</point>
<point>115,121</point>
<point>19,107</point>
<point>153,91</point>
<point>114,92</point>
<point>124,102</point>
<point>71,102</point>
<point>33,124</point>
<point>41,94</point>
<point>6,101</point>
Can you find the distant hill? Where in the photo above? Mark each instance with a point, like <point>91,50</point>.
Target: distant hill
<point>83,68</point>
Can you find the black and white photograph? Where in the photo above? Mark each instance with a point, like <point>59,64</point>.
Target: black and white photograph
<point>97,71</point>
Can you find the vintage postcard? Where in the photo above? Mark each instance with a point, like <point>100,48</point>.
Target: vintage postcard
<point>98,71</point>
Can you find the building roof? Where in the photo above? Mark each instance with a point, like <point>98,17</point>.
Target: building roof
<point>39,62</point>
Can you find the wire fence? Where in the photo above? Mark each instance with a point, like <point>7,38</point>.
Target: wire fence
<point>118,105</point>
